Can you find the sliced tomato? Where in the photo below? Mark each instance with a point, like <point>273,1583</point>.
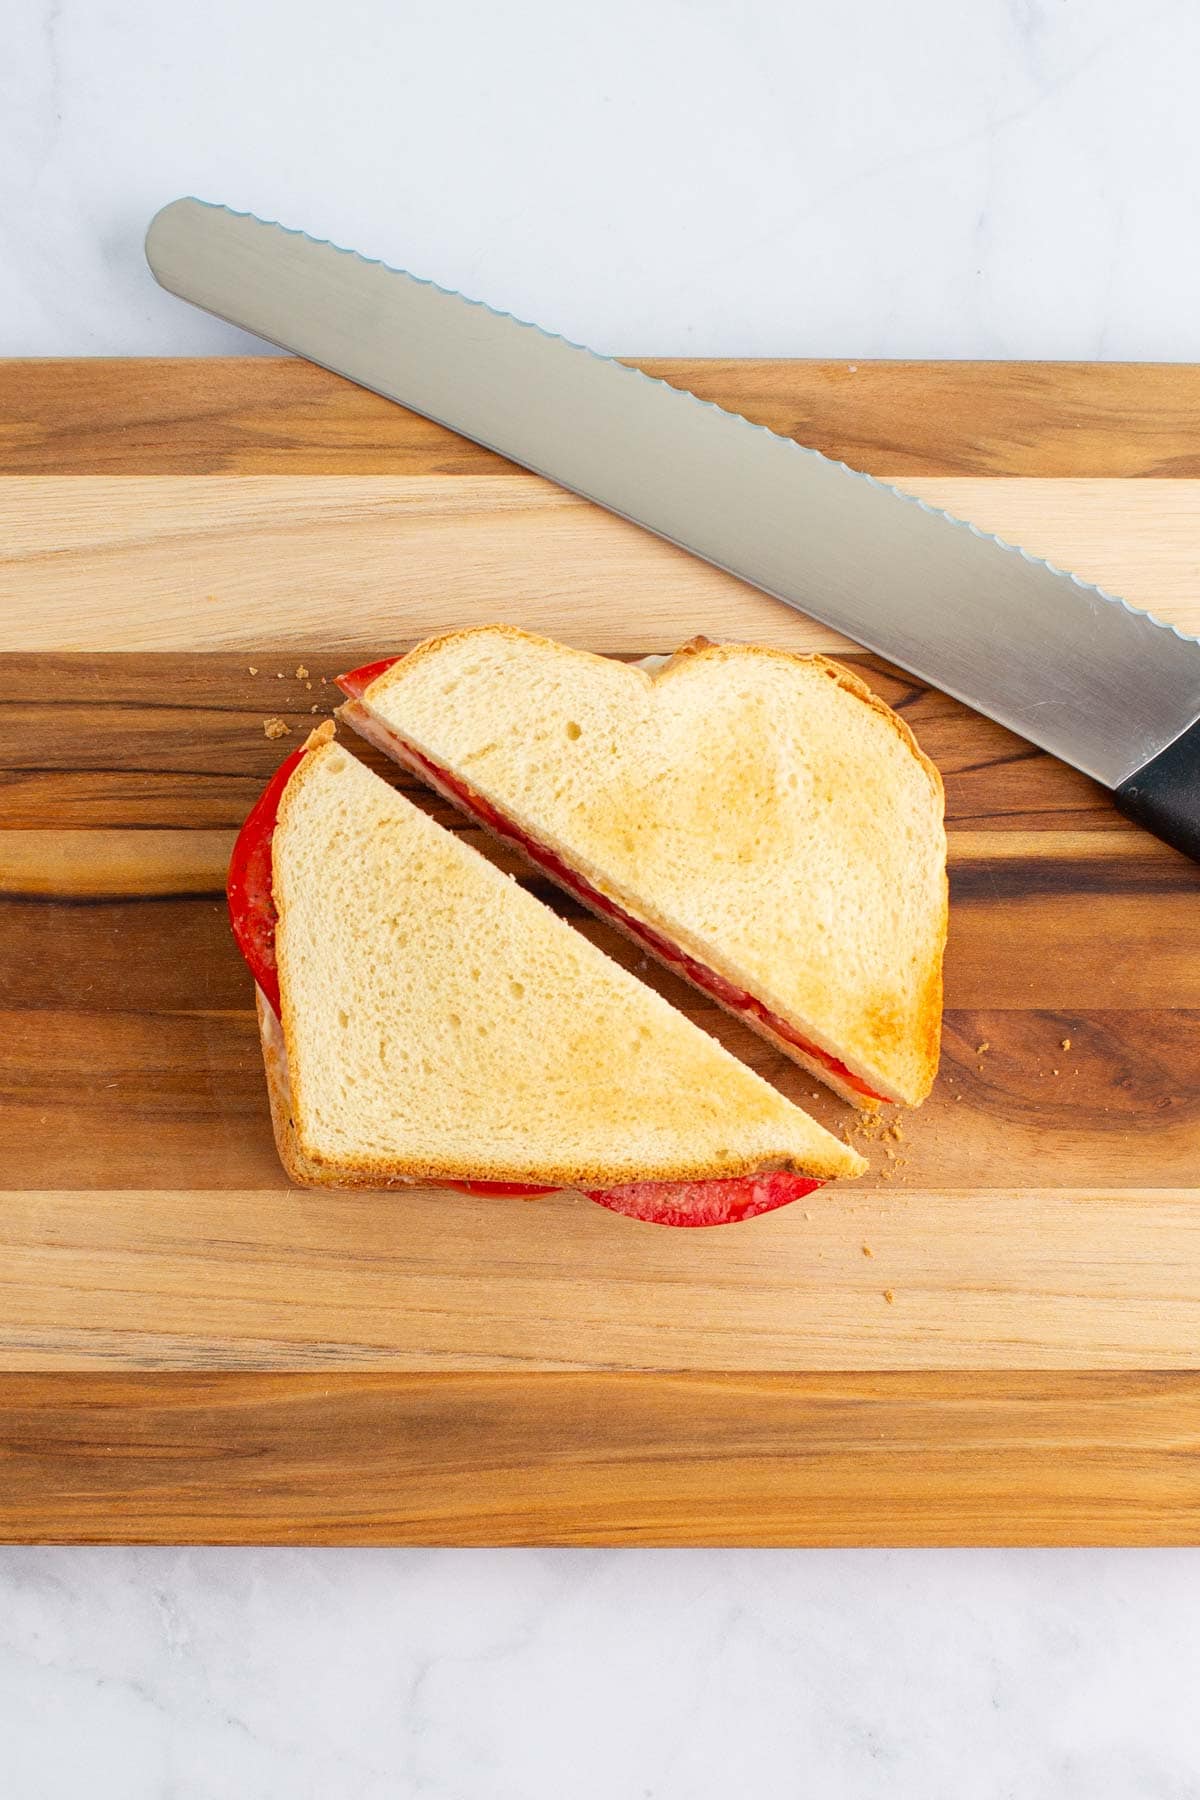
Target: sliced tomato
<point>505,1190</point>
<point>355,684</point>
<point>719,1202</point>
<point>248,887</point>
<point>722,1202</point>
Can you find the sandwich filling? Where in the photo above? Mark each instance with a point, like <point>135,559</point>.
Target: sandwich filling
<point>735,1000</point>
<point>254,917</point>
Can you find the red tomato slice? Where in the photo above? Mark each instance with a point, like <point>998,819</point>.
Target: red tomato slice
<point>355,684</point>
<point>506,1190</point>
<point>248,887</point>
<point>721,1202</point>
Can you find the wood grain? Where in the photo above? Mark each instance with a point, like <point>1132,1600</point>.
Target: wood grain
<point>177,740</point>
<point>274,415</point>
<point>191,1350</point>
<point>601,1459</point>
<point>980,1278</point>
<point>226,562</point>
<point>1136,893</point>
<point>144,1099</point>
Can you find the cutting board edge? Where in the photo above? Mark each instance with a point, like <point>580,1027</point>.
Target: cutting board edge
<point>694,1460</point>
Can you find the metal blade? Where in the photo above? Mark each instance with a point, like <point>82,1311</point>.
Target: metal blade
<point>1061,662</point>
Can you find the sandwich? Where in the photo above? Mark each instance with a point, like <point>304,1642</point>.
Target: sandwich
<point>426,1021</point>
<point>761,822</point>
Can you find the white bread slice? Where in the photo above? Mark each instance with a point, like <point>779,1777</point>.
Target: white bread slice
<point>438,1022</point>
<point>765,812</point>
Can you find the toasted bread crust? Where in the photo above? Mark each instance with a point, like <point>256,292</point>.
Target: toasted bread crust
<point>304,1169</point>
<point>279,1095</point>
<point>307,1165</point>
<point>895,1053</point>
<point>927,1027</point>
<point>694,649</point>
<point>763,1030</point>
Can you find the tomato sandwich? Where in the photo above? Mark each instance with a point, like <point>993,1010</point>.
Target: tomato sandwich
<point>427,1021</point>
<point>759,821</point>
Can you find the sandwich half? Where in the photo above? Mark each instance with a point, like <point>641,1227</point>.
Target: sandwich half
<point>426,1021</point>
<point>759,821</point>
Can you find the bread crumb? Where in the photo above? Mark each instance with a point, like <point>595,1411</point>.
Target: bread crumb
<point>895,1130</point>
<point>808,1215</point>
<point>958,1096</point>
<point>868,1123</point>
<point>301,672</point>
<point>981,1048</point>
<point>275,728</point>
<point>313,707</point>
<point>889,1296</point>
<point>1065,1044</point>
<point>1054,1071</point>
<point>323,681</point>
<point>308,685</point>
<point>252,670</point>
<point>867,1250</point>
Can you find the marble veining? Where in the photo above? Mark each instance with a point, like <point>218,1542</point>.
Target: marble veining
<point>1004,178</point>
<point>535,1675</point>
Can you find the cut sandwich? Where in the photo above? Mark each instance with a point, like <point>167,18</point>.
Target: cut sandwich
<point>761,822</point>
<point>424,1020</point>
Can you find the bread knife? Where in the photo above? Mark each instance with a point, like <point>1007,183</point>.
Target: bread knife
<point>1074,669</point>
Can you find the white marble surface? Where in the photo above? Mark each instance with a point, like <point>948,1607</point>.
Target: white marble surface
<point>947,178</point>
<point>579,1675</point>
<point>995,178</point>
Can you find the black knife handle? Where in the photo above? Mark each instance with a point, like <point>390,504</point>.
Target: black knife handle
<point>1164,794</point>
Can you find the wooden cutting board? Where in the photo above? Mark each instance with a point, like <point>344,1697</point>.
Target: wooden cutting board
<point>994,1338</point>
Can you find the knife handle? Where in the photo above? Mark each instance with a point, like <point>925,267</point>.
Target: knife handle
<point>1164,794</point>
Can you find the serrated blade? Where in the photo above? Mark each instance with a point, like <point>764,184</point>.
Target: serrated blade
<point>1061,662</point>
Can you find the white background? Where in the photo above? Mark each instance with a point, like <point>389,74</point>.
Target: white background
<point>944,178</point>
<point>850,178</point>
